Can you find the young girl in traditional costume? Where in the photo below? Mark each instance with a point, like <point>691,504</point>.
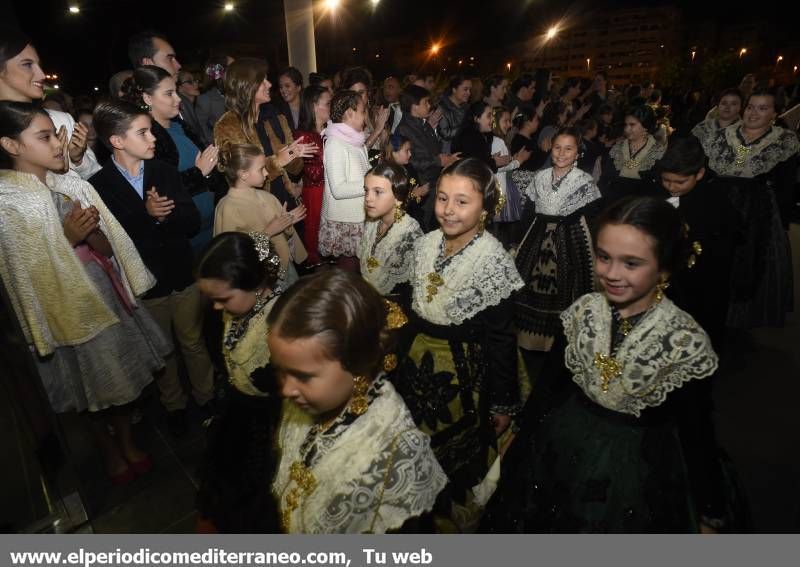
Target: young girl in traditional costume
<point>460,380</point>
<point>74,276</point>
<point>386,251</point>
<point>420,198</point>
<point>249,207</point>
<point>555,255</point>
<point>610,439</point>
<point>352,460</point>
<point>238,273</point>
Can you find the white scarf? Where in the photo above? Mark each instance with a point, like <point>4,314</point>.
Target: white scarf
<point>371,476</point>
<point>662,352</point>
<point>391,263</point>
<point>481,276</point>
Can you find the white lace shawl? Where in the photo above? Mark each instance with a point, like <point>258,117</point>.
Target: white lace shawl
<point>646,158</point>
<point>665,349</point>
<point>725,157</point>
<point>707,128</point>
<point>576,190</point>
<point>355,492</point>
<point>250,353</point>
<point>481,276</point>
<point>395,253</point>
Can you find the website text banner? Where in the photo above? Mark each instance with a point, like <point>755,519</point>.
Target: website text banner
<point>395,551</point>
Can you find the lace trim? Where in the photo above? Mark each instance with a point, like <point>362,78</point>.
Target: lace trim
<point>662,352</point>
<point>391,262</point>
<point>575,190</point>
<point>250,352</point>
<point>480,277</point>
<point>377,473</point>
<point>728,156</point>
<point>630,166</point>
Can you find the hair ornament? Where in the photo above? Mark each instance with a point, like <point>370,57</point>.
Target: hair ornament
<point>216,71</point>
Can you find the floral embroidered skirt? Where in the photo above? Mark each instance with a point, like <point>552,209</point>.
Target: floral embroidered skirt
<point>555,261</point>
<point>339,238</point>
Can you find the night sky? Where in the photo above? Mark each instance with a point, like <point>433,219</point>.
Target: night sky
<point>88,48</point>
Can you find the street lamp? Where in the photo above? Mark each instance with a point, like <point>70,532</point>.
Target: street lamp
<point>435,48</point>
<point>229,6</point>
<point>588,64</point>
<point>780,58</point>
<point>74,9</point>
<point>508,66</point>
<point>742,52</point>
<point>331,5</point>
<point>552,32</point>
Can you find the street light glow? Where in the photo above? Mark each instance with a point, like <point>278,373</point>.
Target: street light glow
<point>742,51</point>
<point>331,5</point>
<point>229,6</point>
<point>74,9</point>
<point>374,3</point>
<point>552,32</point>
<point>588,63</point>
<point>508,66</point>
<point>780,58</point>
<point>435,48</point>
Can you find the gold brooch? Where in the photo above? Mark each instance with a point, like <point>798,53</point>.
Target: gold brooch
<point>697,249</point>
<point>395,318</point>
<point>372,263</point>
<point>609,369</point>
<point>435,281</point>
<point>741,155</point>
<point>306,483</point>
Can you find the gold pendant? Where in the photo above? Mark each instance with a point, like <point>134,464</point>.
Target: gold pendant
<point>435,281</point>
<point>741,155</point>
<point>609,369</point>
<point>372,263</point>
<point>631,164</point>
<point>625,327</point>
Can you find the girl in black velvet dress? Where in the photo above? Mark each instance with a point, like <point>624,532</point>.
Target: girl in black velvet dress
<point>238,273</point>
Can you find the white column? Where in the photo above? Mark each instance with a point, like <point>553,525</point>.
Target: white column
<point>300,35</point>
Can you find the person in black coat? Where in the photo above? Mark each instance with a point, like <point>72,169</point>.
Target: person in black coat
<point>149,200</point>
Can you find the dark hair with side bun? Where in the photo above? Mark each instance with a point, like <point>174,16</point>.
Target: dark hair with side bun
<point>396,177</point>
<point>234,158</point>
<point>114,119</point>
<point>656,218</point>
<point>145,80</point>
<point>232,258</point>
<point>343,312</point>
<point>483,180</point>
<point>645,115</point>
<point>15,117</point>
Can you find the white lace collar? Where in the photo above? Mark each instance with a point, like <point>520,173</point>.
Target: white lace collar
<point>373,476</point>
<point>480,276</point>
<point>572,192</point>
<point>664,350</point>
<point>391,263</point>
<point>644,160</point>
<point>730,157</point>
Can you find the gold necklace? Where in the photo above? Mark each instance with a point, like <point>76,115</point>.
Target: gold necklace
<point>372,261</point>
<point>632,162</point>
<point>305,484</point>
<point>609,367</point>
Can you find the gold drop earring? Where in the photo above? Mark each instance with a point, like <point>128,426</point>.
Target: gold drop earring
<point>398,211</point>
<point>661,287</point>
<point>359,403</point>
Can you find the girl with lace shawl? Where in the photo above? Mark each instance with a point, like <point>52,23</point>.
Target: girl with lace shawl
<point>555,255</point>
<point>73,277</point>
<point>351,458</point>
<point>460,379</point>
<point>386,250</point>
<point>756,163</point>
<point>239,273</point>
<point>729,113</point>
<point>612,438</point>
<point>627,169</point>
